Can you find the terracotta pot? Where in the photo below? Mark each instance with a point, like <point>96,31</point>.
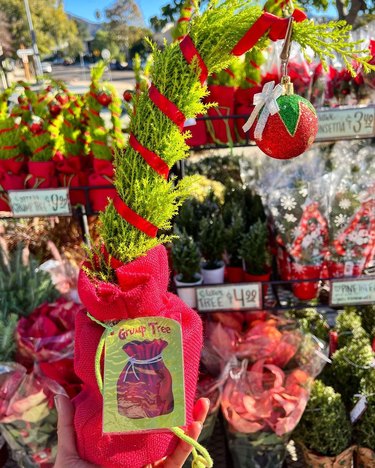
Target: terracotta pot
<point>213,276</point>
<point>305,290</point>
<point>233,274</point>
<point>188,295</point>
<point>365,458</point>
<point>250,278</point>
<point>343,460</point>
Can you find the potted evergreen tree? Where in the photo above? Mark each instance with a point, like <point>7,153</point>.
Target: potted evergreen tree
<point>186,261</point>
<point>255,253</point>
<point>324,431</point>
<point>233,236</point>
<point>211,241</point>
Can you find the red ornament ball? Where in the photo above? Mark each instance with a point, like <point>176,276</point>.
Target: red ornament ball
<point>36,126</point>
<point>104,98</point>
<point>128,96</point>
<point>291,131</point>
<point>62,99</point>
<point>55,109</point>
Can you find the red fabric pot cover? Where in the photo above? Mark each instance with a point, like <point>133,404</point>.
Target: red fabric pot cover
<point>41,175</point>
<point>141,291</point>
<point>233,274</point>
<point>243,100</point>
<point>198,133</point>
<point>306,291</point>
<point>102,175</point>
<point>284,264</point>
<point>258,279</point>
<point>337,270</point>
<point>11,178</point>
<point>221,131</point>
<point>71,175</point>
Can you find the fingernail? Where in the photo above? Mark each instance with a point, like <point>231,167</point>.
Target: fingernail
<point>200,426</point>
<point>207,400</point>
<point>57,400</point>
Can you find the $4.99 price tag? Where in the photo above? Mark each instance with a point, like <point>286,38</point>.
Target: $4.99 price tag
<point>41,202</point>
<point>229,297</point>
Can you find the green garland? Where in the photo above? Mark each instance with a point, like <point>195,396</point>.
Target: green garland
<point>214,34</point>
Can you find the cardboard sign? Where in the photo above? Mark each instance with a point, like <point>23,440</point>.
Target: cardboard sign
<point>229,297</point>
<point>143,376</point>
<point>347,292</point>
<point>346,123</point>
<point>41,202</point>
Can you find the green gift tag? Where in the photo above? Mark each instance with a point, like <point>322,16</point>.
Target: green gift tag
<point>143,376</point>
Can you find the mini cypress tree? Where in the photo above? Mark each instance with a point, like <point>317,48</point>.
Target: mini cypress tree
<point>324,427</point>
<point>364,429</point>
<point>254,249</point>
<point>186,257</point>
<point>211,240</point>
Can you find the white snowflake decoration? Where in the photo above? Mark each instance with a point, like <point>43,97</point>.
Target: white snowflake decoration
<point>298,268</point>
<point>274,211</point>
<point>345,204</point>
<point>303,191</point>
<point>296,232</point>
<point>340,220</point>
<point>288,202</point>
<point>290,218</point>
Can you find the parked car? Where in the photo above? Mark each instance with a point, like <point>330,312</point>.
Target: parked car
<point>46,67</point>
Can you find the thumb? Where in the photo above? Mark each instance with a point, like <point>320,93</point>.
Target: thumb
<point>65,428</point>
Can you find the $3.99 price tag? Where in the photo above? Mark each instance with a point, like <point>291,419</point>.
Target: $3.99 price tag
<point>41,202</point>
<point>229,297</point>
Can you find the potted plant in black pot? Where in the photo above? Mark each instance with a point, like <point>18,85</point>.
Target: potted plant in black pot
<point>254,251</point>
<point>186,261</point>
<point>233,237</point>
<point>211,241</point>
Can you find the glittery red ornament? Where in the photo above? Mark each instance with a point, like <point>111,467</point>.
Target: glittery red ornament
<point>104,98</point>
<point>128,96</point>
<point>291,131</point>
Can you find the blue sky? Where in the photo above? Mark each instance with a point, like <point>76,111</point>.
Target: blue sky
<point>87,8</point>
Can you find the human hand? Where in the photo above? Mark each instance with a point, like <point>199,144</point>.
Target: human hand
<point>67,455</point>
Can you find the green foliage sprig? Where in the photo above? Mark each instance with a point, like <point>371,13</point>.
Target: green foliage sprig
<point>211,240</point>
<point>324,427</point>
<point>364,429</point>
<point>349,328</point>
<point>9,138</point>
<point>233,236</point>
<point>311,321</point>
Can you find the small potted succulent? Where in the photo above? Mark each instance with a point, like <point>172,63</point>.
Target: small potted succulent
<point>325,431</point>
<point>186,261</point>
<point>211,241</point>
<point>255,253</point>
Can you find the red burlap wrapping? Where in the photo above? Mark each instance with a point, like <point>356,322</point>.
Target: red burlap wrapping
<point>11,178</point>
<point>41,175</point>
<point>141,291</point>
<point>70,174</point>
<point>221,131</point>
<point>102,175</point>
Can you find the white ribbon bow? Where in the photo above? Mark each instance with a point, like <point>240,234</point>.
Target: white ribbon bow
<point>266,99</point>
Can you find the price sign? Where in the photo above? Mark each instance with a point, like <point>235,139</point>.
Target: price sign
<point>41,202</point>
<point>346,123</point>
<point>229,297</point>
<point>346,292</point>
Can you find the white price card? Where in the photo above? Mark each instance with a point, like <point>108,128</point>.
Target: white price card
<point>229,297</point>
<point>41,202</point>
<point>347,292</point>
<point>346,123</point>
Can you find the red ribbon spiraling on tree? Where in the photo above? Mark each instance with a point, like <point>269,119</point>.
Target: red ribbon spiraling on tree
<point>133,218</point>
<point>254,64</point>
<point>189,51</point>
<point>183,18</point>
<point>167,107</point>
<point>41,148</point>
<point>151,158</point>
<point>99,143</point>
<point>5,130</point>
<point>275,26</point>
<point>252,82</point>
<point>69,140</point>
<point>9,147</point>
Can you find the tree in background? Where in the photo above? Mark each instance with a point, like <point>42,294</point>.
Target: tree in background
<point>53,28</point>
<point>5,36</point>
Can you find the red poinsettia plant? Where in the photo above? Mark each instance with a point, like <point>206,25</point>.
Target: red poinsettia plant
<point>45,339</point>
